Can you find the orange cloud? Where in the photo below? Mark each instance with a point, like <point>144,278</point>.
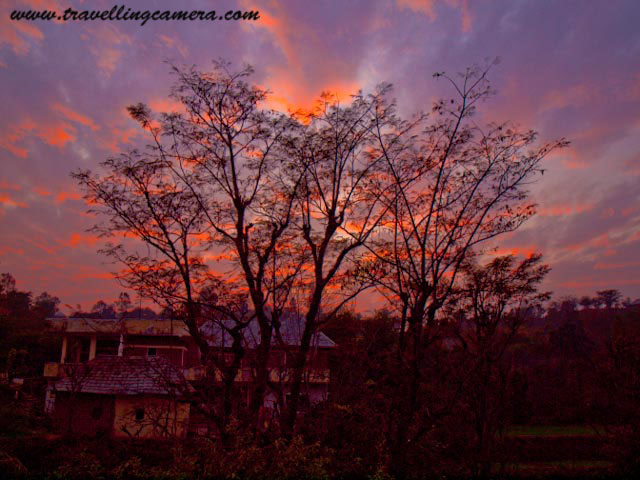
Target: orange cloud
<point>64,196</point>
<point>74,116</point>
<point>561,210</point>
<point>578,94</point>
<point>292,96</point>
<point>6,250</point>
<point>608,213</point>
<point>8,202</point>
<point>81,239</point>
<point>93,275</point>
<point>53,134</point>
<point>106,46</point>
<point>569,157</point>
<point>600,241</point>
<point>117,136</point>
<point>16,134</point>
<point>575,247</point>
<point>296,84</point>
<point>281,28</point>
<point>166,105</point>
<point>18,35</point>
<point>173,42</point>
<point>598,283</point>
<point>43,192</point>
<point>57,135</point>
<point>525,251</point>
<point>9,186</point>
<point>428,8</point>
<point>615,266</point>
<point>46,248</point>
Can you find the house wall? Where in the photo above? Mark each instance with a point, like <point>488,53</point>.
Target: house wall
<point>175,355</point>
<point>83,414</point>
<point>312,394</point>
<point>163,417</point>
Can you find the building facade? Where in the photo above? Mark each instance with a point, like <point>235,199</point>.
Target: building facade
<point>121,375</point>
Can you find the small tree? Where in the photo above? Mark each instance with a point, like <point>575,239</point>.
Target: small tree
<point>610,298</point>
<point>494,301</point>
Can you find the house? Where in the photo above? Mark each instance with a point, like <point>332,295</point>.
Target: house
<point>126,396</point>
<point>284,345</point>
<point>100,348</point>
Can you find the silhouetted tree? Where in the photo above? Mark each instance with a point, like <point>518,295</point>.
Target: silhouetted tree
<point>7,283</point>
<point>339,207</point>
<point>123,304</point>
<point>496,299</point>
<point>610,298</point>
<point>586,301</point>
<point>23,349</point>
<point>455,186</point>
<point>103,310</point>
<point>213,180</point>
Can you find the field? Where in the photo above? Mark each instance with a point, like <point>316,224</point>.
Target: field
<point>572,451</point>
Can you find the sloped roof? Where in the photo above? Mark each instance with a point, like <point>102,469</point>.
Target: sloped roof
<point>109,375</point>
<point>291,330</point>
<point>130,326</point>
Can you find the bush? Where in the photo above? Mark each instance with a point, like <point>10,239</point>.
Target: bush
<point>80,465</point>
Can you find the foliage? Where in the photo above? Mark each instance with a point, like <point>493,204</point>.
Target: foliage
<point>23,348</point>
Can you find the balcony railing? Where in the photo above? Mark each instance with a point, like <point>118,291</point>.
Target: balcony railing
<point>277,375</point>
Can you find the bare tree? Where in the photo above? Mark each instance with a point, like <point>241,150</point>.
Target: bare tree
<point>232,155</point>
<point>339,208</point>
<point>210,179</point>
<point>456,185</point>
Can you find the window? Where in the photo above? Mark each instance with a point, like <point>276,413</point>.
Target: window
<point>78,350</point>
<point>96,412</point>
<point>139,414</point>
<point>151,352</point>
<point>106,346</point>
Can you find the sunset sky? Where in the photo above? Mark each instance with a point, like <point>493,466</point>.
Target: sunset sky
<point>567,69</point>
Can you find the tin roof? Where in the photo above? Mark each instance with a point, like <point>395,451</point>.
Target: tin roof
<point>290,331</point>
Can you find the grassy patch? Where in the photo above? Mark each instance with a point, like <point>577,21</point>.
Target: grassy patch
<point>552,431</point>
<point>569,468</point>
